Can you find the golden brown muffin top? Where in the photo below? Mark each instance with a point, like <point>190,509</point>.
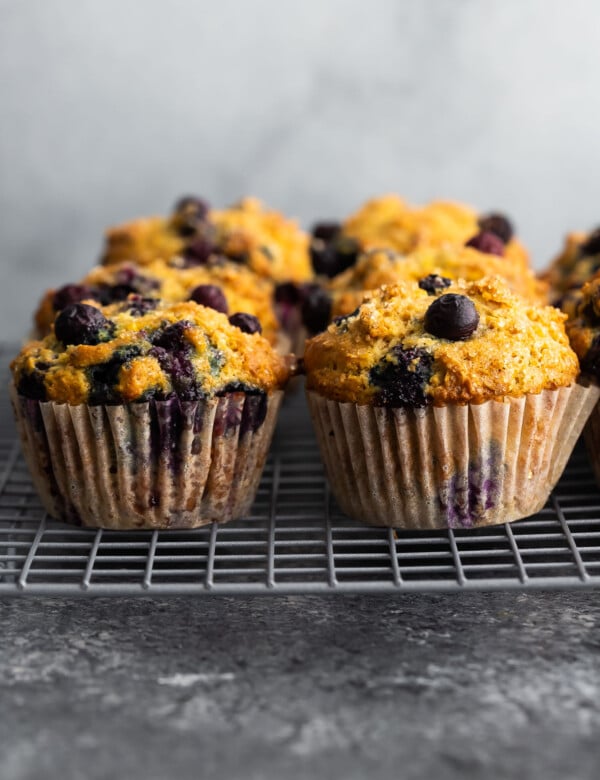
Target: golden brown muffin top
<point>578,262</point>
<point>583,327</point>
<point>272,245</point>
<point>244,291</point>
<point>379,267</point>
<point>390,222</point>
<point>469,342</point>
<point>143,349</point>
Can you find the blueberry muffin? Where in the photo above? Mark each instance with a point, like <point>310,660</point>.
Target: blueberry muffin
<point>143,414</point>
<point>222,285</point>
<point>388,222</point>
<point>578,262</point>
<point>247,233</point>
<point>583,328</point>
<point>449,406</point>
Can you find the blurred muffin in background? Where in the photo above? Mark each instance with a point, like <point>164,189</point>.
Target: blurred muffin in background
<point>248,233</point>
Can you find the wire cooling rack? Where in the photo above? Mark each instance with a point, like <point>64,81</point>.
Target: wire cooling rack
<point>295,540</point>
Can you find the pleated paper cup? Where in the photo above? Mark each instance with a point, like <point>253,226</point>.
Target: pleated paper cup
<point>453,466</point>
<point>169,464</point>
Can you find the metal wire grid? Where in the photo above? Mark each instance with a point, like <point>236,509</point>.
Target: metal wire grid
<point>296,540</point>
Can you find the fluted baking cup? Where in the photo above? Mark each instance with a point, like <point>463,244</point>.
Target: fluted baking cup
<point>169,464</point>
<point>452,466</point>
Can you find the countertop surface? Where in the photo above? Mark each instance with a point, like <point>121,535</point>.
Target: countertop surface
<point>470,685</point>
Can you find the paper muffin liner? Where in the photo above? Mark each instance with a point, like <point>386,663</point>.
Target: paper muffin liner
<point>161,464</point>
<point>453,466</point>
<point>591,435</point>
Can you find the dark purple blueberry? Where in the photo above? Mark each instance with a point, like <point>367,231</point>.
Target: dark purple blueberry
<point>330,259</point>
<point>402,377</point>
<point>487,242</point>
<point>287,292</point>
<point>316,308</point>
<point>127,281</point>
<point>452,317</point>
<point>497,224</point>
<point>173,352</point>
<point>71,293</point>
<point>326,231</point>
<point>591,246</point>
<point>104,377</point>
<point>137,305</point>
<point>32,385</point>
<point>190,212</point>
<point>198,252</point>
<point>172,337</point>
<point>247,323</point>
<point>343,318</point>
<point>210,295</point>
<point>434,283</point>
<point>176,363</point>
<point>80,323</point>
<point>193,203</point>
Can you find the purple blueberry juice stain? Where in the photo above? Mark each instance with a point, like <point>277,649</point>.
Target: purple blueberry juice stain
<point>465,498</point>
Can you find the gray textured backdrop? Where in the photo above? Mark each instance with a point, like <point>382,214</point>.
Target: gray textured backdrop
<point>111,109</point>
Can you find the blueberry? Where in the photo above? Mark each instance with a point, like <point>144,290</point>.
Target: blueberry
<point>137,305</point>
<point>287,292</point>
<point>247,323</point>
<point>172,337</point>
<point>198,252</point>
<point>487,242</point>
<point>104,377</point>
<point>190,212</point>
<point>343,318</point>
<point>591,246</point>
<point>72,293</point>
<point>173,352</point>
<point>401,377</point>
<point>326,231</point>
<point>32,385</point>
<point>210,295</point>
<point>80,323</point>
<point>434,283</point>
<point>316,308</point>
<point>497,224</point>
<point>452,317</point>
<point>330,259</point>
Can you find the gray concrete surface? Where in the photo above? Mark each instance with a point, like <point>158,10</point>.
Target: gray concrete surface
<point>499,685</point>
<point>111,110</point>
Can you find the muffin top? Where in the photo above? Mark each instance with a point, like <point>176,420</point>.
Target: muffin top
<point>466,342</point>
<point>578,262</point>
<point>248,233</point>
<point>142,349</point>
<point>583,328</point>
<point>238,289</point>
<point>390,222</point>
<point>379,267</point>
